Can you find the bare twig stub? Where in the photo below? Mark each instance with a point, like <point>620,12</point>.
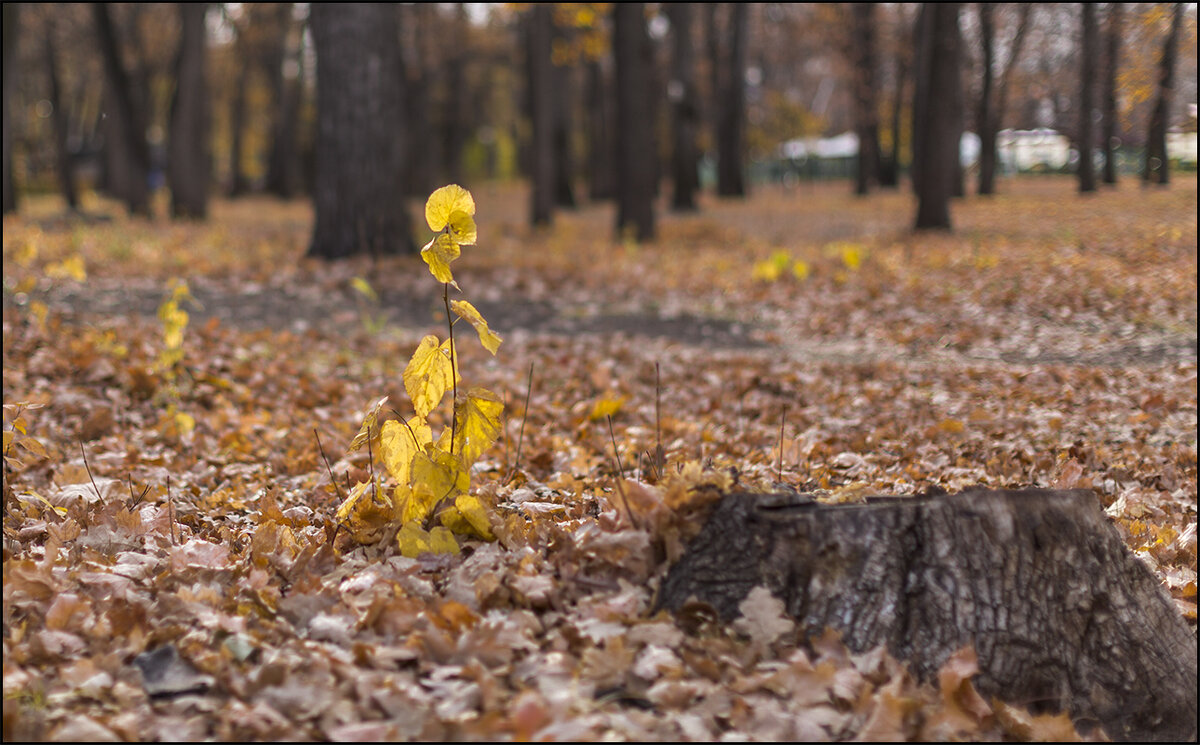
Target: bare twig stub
<point>1061,614</point>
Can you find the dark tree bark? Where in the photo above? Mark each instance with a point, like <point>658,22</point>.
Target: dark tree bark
<point>564,163</point>
<point>937,115</point>
<point>601,143</point>
<point>539,68</point>
<point>635,154</point>
<point>1089,61</point>
<point>1058,610</point>
<point>685,109</point>
<point>129,163</point>
<point>991,124</point>
<point>1112,59</point>
<point>866,110</point>
<point>66,173</point>
<point>11,19</point>
<point>422,162</point>
<point>188,166</point>
<point>731,107</point>
<point>985,117</point>
<point>889,173</point>
<point>283,163</point>
<point>456,116</point>
<point>358,193</point>
<point>1157,167</point>
<point>238,184</point>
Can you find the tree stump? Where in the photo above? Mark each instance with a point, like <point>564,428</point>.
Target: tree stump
<point>1061,615</point>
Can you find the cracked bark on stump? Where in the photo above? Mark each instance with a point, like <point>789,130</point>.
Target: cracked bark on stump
<point>1061,614</point>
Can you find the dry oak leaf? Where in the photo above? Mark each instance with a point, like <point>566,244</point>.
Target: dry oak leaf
<point>763,618</point>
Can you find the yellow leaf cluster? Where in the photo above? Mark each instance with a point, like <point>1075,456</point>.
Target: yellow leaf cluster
<point>449,212</point>
<point>429,374</point>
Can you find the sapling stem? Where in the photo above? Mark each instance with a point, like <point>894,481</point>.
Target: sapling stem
<point>524,416</point>
<point>453,366</point>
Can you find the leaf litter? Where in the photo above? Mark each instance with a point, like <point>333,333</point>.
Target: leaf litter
<point>192,579</point>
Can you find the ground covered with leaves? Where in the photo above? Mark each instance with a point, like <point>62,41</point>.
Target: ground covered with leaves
<point>174,565</point>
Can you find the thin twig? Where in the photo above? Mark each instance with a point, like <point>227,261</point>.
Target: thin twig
<point>453,368</point>
<point>135,501</point>
<point>613,437</point>
<point>621,477</point>
<point>524,416</point>
<point>779,467</point>
<point>328,467</point>
<point>170,511</point>
<point>89,472</point>
<point>659,453</point>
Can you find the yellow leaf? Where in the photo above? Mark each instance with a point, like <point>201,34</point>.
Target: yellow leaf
<point>452,206</point>
<point>765,271</point>
<point>801,270</point>
<point>438,254</point>
<point>398,445</point>
<point>364,288</point>
<point>852,256</point>
<point>469,516</point>
<point>478,424</point>
<point>39,311</point>
<point>9,436</point>
<point>412,540</point>
<point>442,541</point>
<point>436,475</point>
<point>467,312</point>
<point>606,407</point>
<point>429,375</point>
<point>362,515</point>
<point>70,267</point>
<point>368,425</point>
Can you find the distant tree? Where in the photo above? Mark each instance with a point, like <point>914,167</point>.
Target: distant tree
<point>889,172</point>
<point>189,167</point>
<point>635,153</point>
<point>866,108</point>
<point>730,77</point>
<point>1089,59</point>
<point>455,114</point>
<point>66,173</point>
<point>11,18</point>
<point>937,113</point>
<point>685,108</point>
<point>1157,167</point>
<point>993,105</point>
<point>539,29</point>
<point>601,141</point>
<point>284,68</point>
<point>359,188</point>
<point>1112,59</point>
<point>561,73</point>
<point>129,156</point>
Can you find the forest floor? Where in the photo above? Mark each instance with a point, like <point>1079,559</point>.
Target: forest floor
<point>799,339</point>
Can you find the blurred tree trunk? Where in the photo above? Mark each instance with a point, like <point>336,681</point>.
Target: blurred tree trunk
<point>889,174</point>
<point>11,18</point>
<point>238,184</point>
<point>601,170</point>
<point>684,108</point>
<point>1089,54</point>
<point>283,163</point>
<point>937,116</point>
<point>561,75</point>
<point>1112,59</point>
<point>985,117</point>
<point>731,107</point>
<point>129,156</point>
<point>538,45</point>
<point>635,122</point>
<point>189,169</point>
<point>456,114</point>
<point>359,188</point>
<point>422,161</point>
<point>66,173</point>
<point>994,122</point>
<point>866,110</point>
<point>1157,167</point>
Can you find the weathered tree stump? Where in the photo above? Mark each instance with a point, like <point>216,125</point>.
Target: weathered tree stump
<point>1061,615</point>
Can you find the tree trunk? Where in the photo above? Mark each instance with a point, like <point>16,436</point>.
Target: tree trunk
<point>866,111</point>
<point>985,117</point>
<point>188,166</point>
<point>564,164</point>
<point>937,116</point>
<point>238,184</point>
<point>1087,84</point>
<point>635,123</point>
<point>66,173</point>
<point>359,188</point>
<point>681,91</point>
<point>1059,612</point>
<point>890,174</point>
<point>11,18</point>
<point>601,145</point>
<point>456,110</point>
<point>539,31</point>
<point>1157,167</point>
<point>1112,59</point>
<point>731,108</point>
<point>283,163</point>
<point>130,155</point>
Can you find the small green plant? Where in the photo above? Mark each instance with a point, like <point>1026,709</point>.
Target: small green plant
<point>373,319</point>
<point>432,477</point>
